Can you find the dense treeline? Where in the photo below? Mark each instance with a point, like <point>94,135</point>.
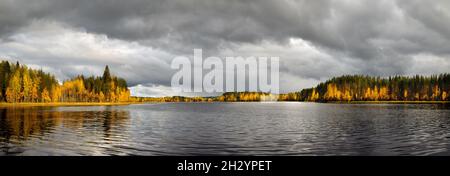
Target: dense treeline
<point>22,84</point>
<point>18,83</point>
<point>95,89</point>
<point>171,99</point>
<point>225,97</point>
<point>366,88</point>
<point>344,88</point>
<point>246,96</point>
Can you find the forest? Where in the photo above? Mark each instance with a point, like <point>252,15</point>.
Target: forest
<point>20,84</point>
<point>367,88</point>
<point>344,88</point>
<point>225,97</point>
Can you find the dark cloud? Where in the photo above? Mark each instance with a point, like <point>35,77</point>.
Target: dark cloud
<point>366,37</point>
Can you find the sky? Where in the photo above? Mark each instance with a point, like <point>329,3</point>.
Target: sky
<point>314,39</point>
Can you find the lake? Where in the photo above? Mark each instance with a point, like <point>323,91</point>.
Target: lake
<point>278,128</point>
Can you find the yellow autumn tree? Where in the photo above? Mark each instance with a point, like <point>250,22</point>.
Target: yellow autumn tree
<point>436,92</point>
<point>347,96</point>
<point>314,95</point>
<point>332,92</point>
<point>27,85</point>
<point>405,94</point>
<point>56,93</point>
<point>45,96</point>
<point>384,94</point>
<point>35,90</point>
<point>13,94</point>
<point>101,97</point>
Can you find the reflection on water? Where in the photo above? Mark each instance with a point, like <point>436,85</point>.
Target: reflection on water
<point>33,130</point>
<point>227,128</point>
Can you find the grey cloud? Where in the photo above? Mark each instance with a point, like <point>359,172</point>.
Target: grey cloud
<point>346,26</point>
<point>365,37</point>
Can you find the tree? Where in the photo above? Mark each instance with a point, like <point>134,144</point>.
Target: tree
<point>35,90</point>
<point>106,74</point>
<point>26,85</point>
<point>106,82</point>
<point>46,96</point>
<point>101,97</point>
<point>14,88</point>
<point>56,93</point>
<point>5,71</point>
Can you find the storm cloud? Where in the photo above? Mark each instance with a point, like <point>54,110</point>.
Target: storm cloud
<point>315,40</point>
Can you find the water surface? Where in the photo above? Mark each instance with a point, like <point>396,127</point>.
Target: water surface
<point>285,128</point>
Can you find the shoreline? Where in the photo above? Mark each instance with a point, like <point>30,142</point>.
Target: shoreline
<point>3,104</point>
<point>389,102</point>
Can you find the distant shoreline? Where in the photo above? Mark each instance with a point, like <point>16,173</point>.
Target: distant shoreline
<point>130,103</point>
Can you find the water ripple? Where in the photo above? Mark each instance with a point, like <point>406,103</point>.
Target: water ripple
<point>227,129</point>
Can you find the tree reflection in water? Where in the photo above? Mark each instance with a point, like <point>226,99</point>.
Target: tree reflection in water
<point>18,125</point>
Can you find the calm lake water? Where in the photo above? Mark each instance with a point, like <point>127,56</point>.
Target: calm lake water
<point>286,128</point>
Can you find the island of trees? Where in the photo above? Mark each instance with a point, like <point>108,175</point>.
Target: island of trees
<point>20,84</point>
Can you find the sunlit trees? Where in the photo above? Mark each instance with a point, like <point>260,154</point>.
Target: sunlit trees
<point>35,89</point>
<point>314,95</point>
<point>13,91</point>
<point>26,86</point>
<point>107,88</point>
<point>19,83</point>
<point>45,96</point>
<point>366,88</point>
<point>347,88</point>
<point>73,90</point>
<point>55,94</point>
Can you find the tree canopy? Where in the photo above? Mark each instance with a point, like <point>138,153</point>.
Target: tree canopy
<point>367,88</point>
<point>18,83</point>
